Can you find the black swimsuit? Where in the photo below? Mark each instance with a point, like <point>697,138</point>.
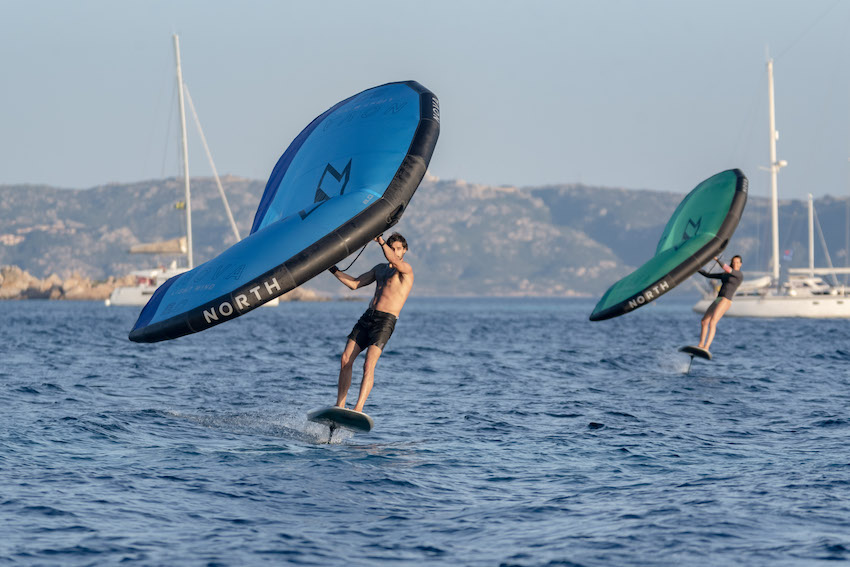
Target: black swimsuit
<point>730,282</point>
<point>373,328</point>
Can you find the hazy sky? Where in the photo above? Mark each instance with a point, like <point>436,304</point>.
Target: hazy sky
<point>653,94</point>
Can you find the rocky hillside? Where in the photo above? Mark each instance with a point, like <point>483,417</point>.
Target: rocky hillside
<point>16,283</point>
<point>465,239</point>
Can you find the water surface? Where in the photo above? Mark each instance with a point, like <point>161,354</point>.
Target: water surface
<point>508,432</point>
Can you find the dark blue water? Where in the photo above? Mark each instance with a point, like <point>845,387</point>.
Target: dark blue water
<point>508,432</point>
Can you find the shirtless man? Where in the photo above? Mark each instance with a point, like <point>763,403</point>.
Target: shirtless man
<point>731,278</point>
<point>373,330</point>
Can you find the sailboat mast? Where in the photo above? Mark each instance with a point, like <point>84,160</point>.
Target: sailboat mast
<point>811,236</point>
<point>774,170</point>
<point>185,150</point>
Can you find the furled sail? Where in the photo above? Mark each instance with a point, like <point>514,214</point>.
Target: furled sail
<point>699,229</point>
<point>346,178</point>
<point>174,246</point>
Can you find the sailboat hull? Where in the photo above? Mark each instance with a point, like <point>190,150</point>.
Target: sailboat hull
<point>771,306</point>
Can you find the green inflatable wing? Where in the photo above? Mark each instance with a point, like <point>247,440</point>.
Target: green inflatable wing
<point>699,230</point>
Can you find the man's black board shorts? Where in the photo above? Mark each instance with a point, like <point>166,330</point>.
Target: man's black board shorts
<point>373,328</point>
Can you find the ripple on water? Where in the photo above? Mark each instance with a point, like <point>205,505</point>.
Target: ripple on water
<point>564,442</point>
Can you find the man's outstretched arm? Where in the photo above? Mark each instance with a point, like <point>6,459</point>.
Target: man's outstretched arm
<point>351,282</point>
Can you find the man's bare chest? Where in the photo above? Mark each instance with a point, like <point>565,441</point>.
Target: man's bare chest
<point>391,281</point>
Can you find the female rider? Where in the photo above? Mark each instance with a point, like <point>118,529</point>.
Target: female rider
<point>731,278</point>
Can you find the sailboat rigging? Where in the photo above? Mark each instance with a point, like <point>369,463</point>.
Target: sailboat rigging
<point>147,281</point>
<point>804,293</point>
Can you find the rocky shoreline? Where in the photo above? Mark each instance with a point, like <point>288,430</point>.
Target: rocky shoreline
<point>16,283</point>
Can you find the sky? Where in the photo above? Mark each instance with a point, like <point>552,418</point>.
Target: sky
<point>649,94</point>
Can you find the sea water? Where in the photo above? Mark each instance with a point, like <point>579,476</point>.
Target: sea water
<point>507,432</point>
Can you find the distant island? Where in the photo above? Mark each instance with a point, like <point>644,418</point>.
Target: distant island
<point>466,239</point>
<point>16,283</point>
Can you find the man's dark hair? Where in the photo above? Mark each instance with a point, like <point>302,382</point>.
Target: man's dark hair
<point>396,237</point>
<point>738,256</point>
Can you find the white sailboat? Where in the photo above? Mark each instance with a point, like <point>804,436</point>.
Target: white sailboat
<point>146,283</point>
<point>148,280</point>
<point>805,293</point>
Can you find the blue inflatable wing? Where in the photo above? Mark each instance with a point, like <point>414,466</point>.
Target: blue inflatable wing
<point>345,179</point>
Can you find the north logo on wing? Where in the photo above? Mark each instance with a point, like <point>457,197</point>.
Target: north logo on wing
<point>691,229</point>
<point>331,184</point>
